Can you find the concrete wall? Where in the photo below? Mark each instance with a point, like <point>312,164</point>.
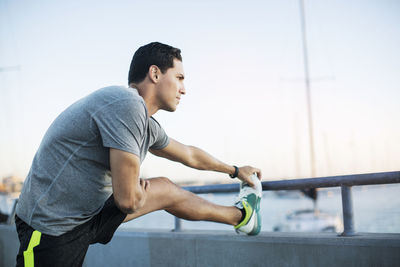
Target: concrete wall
<point>9,245</point>
<point>220,248</point>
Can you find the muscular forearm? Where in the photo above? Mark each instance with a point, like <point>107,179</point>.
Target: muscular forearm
<point>197,158</point>
<point>201,160</point>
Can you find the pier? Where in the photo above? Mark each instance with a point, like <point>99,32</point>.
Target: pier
<point>177,247</point>
<point>226,248</point>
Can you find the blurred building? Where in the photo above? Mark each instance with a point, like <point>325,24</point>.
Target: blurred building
<point>11,184</point>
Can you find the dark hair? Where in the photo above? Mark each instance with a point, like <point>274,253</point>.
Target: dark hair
<point>155,53</point>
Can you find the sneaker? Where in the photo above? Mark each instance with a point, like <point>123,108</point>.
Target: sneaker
<point>249,199</point>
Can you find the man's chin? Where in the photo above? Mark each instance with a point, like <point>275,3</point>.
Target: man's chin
<point>169,109</point>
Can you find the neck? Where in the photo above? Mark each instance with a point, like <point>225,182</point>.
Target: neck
<point>147,93</point>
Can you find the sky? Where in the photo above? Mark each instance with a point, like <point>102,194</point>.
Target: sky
<point>246,96</point>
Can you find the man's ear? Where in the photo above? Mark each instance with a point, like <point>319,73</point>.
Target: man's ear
<point>154,73</point>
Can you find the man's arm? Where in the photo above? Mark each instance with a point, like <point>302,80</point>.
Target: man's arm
<point>199,159</point>
<point>129,191</point>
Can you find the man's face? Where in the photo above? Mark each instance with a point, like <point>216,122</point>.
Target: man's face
<point>171,87</point>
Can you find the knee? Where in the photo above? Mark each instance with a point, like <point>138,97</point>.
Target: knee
<point>168,185</point>
<point>166,180</point>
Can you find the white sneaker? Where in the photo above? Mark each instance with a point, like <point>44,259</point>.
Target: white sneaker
<point>249,199</point>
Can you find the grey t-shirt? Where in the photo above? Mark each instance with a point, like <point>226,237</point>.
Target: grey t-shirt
<point>69,179</point>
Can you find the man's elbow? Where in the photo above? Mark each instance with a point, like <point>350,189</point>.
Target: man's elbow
<point>129,206</point>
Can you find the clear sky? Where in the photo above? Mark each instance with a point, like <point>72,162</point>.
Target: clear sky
<point>245,102</point>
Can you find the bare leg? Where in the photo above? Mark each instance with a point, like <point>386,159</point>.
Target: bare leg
<point>165,195</point>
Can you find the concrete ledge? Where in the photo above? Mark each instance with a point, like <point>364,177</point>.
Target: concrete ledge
<point>225,248</point>
<point>218,248</point>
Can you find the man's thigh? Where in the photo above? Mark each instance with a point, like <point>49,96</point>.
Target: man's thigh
<point>161,195</point>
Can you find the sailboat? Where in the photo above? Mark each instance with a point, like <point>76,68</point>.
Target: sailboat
<point>310,220</point>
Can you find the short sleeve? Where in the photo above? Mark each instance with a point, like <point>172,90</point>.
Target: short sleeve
<point>159,138</point>
<point>122,125</point>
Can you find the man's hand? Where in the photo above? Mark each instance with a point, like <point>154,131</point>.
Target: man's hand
<point>144,186</point>
<point>245,173</point>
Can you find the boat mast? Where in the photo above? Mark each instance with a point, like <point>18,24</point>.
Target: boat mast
<point>308,88</point>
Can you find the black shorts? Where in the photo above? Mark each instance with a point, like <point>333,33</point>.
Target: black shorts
<point>69,249</point>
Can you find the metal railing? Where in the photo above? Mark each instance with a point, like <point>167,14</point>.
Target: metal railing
<point>344,181</point>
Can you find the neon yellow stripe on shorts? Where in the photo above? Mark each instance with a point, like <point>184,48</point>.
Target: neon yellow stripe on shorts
<point>28,253</point>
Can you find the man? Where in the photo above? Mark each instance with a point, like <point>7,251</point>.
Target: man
<point>66,203</point>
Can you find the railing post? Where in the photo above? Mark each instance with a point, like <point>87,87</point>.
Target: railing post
<point>347,206</point>
<point>178,225</point>
<point>10,219</point>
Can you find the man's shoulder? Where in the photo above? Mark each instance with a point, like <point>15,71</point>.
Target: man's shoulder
<point>118,101</point>
<point>117,91</point>
<point>115,97</point>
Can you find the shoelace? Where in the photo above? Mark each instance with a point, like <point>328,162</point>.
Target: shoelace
<point>245,191</point>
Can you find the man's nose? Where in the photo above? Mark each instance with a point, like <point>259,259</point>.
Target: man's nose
<point>182,90</point>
